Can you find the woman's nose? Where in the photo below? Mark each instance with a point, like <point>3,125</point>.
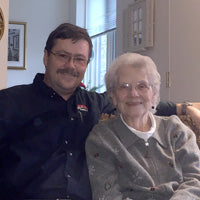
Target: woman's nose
<point>133,92</point>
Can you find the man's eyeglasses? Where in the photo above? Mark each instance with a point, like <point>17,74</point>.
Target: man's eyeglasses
<point>66,58</point>
<point>141,87</point>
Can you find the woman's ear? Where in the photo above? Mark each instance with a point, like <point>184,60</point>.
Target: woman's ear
<point>113,98</point>
<point>154,97</point>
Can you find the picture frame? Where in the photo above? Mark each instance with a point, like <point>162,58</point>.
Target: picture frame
<point>17,45</point>
<point>2,24</point>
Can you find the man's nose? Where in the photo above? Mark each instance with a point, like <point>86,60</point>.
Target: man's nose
<point>70,62</point>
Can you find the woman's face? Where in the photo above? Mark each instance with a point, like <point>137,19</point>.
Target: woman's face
<point>133,95</point>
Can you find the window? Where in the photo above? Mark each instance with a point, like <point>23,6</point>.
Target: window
<point>137,26</point>
<point>139,22</point>
<point>101,24</point>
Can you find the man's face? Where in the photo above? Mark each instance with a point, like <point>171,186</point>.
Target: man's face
<point>65,65</point>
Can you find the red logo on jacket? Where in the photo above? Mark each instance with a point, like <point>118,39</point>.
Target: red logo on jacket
<point>82,108</point>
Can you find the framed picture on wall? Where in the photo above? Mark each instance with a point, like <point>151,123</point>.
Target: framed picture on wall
<point>1,24</point>
<point>17,45</point>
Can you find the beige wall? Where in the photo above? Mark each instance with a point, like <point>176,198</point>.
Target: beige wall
<point>185,50</point>
<point>176,40</point>
<point>4,5</point>
<point>160,51</point>
<point>41,16</point>
<point>176,47</point>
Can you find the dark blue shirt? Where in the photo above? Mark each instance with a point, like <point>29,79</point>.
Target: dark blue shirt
<point>42,141</point>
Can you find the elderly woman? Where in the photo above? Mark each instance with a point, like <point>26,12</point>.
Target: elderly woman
<point>138,155</point>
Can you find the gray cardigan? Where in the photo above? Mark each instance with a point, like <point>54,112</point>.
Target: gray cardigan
<point>121,165</point>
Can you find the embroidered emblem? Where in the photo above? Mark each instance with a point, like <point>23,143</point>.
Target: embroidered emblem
<point>107,186</point>
<point>175,135</point>
<point>152,189</point>
<point>82,108</point>
<point>96,155</point>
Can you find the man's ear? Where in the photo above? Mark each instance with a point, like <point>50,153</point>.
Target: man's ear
<point>45,57</point>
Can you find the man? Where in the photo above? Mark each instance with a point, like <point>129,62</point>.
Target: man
<point>44,125</point>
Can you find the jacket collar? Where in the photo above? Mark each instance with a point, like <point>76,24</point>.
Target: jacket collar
<point>128,138</point>
<point>39,84</point>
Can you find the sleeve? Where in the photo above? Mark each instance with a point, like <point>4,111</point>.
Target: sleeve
<point>106,104</point>
<point>5,124</point>
<point>5,121</point>
<point>8,112</point>
<point>102,172</point>
<point>187,155</point>
<point>166,108</point>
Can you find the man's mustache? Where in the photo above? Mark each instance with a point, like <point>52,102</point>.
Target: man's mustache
<point>68,71</point>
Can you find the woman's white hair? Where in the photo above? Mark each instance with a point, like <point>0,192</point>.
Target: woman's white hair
<point>136,61</point>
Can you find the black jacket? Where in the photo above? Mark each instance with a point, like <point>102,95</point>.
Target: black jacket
<point>42,141</point>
